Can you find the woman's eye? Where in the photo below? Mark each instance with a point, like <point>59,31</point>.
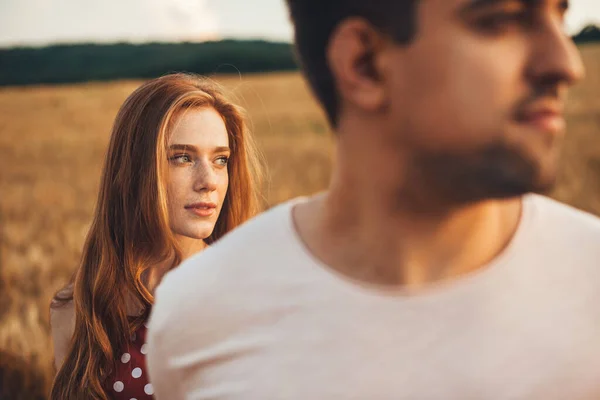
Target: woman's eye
<point>181,159</point>
<point>223,160</point>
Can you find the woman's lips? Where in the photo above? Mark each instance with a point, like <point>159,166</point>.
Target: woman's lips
<point>202,209</point>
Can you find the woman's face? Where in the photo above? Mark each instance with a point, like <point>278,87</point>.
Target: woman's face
<point>198,152</point>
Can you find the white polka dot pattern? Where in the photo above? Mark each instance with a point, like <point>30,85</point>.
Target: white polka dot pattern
<point>130,381</point>
<point>136,373</point>
<point>125,358</point>
<point>118,386</point>
<point>148,389</point>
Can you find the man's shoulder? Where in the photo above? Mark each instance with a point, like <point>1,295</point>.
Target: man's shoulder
<point>235,258</point>
<point>225,278</point>
<point>562,230</point>
<point>252,239</point>
<point>554,214</point>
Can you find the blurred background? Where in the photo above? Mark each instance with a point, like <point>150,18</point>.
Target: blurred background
<point>67,65</point>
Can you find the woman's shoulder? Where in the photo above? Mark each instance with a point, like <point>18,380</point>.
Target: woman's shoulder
<point>62,318</point>
<point>62,322</point>
<point>62,309</point>
<point>63,296</point>
<point>62,300</point>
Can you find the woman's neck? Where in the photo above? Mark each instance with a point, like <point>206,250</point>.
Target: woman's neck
<point>190,246</point>
<point>187,246</point>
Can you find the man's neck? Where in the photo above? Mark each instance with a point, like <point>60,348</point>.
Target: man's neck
<point>364,229</point>
<point>375,245</point>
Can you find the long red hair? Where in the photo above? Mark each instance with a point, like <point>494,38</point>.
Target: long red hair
<point>130,228</point>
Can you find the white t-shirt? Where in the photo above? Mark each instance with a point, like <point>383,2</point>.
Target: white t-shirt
<point>257,317</point>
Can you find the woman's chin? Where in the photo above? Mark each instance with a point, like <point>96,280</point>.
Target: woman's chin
<point>195,232</point>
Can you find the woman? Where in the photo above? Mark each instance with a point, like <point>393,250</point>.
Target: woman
<point>181,171</point>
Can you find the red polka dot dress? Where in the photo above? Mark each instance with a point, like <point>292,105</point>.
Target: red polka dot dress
<point>130,380</point>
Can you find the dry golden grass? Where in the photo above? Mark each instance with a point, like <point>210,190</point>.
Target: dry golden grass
<point>52,142</point>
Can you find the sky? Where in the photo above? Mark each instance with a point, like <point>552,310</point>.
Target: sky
<point>42,22</point>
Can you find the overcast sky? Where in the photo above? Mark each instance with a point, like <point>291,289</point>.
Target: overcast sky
<point>39,22</point>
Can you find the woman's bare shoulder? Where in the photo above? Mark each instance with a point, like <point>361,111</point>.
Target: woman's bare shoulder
<point>62,303</point>
<point>60,311</point>
<point>62,319</point>
<point>62,325</point>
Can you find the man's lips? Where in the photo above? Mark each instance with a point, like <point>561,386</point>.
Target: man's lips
<point>545,117</point>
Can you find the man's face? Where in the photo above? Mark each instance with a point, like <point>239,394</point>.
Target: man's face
<point>477,98</point>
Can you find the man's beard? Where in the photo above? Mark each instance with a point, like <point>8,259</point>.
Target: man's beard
<point>457,179</point>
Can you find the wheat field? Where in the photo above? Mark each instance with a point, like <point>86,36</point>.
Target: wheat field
<point>52,144</point>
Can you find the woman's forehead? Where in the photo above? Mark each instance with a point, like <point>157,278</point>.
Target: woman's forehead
<point>200,127</point>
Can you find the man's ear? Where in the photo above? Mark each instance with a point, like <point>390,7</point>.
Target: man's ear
<point>357,58</point>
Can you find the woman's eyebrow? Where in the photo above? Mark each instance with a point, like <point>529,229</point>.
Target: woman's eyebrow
<point>184,147</point>
<point>222,149</point>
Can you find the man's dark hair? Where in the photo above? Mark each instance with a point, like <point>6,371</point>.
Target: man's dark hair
<point>314,22</point>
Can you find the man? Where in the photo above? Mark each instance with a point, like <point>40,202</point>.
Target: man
<point>428,270</point>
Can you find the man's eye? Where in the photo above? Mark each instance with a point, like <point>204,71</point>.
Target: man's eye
<point>499,21</point>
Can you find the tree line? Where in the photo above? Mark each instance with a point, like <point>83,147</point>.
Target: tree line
<point>590,33</point>
<point>70,63</point>
<point>100,62</point>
